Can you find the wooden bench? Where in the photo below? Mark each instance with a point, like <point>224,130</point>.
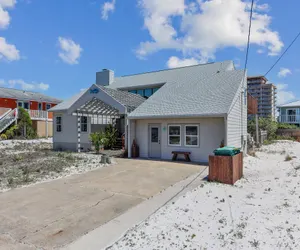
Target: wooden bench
<point>186,155</point>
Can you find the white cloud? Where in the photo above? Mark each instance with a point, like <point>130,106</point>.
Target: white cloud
<point>205,27</point>
<point>175,62</point>
<point>283,95</point>
<point>284,72</point>
<point>2,82</point>
<point>108,7</point>
<point>4,15</point>
<point>27,86</point>
<point>7,3</point>
<point>260,51</point>
<point>4,18</point>
<point>70,51</point>
<point>8,51</point>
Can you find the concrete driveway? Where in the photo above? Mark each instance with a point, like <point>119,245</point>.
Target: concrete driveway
<point>53,214</point>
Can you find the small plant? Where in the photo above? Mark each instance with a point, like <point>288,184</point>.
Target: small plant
<point>17,158</point>
<point>98,140</point>
<point>252,153</point>
<point>3,137</point>
<point>254,243</point>
<point>288,158</point>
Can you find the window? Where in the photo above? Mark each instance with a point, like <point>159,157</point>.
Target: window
<point>40,106</point>
<point>192,135</point>
<point>58,124</point>
<point>140,92</point>
<point>20,104</point>
<point>148,92</point>
<point>174,135</point>
<point>84,124</point>
<point>155,89</point>
<point>26,105</point>
<point>133,91</point>
<point>48,106</point>
<point>154,135</point>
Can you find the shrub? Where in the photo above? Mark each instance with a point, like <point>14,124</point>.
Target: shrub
<point>111,136</point>
<point>11,132</point>
<point>287,126</point>
<point>98,139</point>
<point>267,124</point>
<point>288,158</point>
<point>3,137</point>
<point>25,123</point>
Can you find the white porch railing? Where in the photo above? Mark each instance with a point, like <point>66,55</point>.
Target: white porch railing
<point>38,114</point>
<point>289,119</point>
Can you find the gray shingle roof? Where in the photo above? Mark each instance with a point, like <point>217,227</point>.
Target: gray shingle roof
<point>126,98</point>
<point>170,75</point>
<point>26,95</point>
<point>196,91</point>
<point>68,103</point>
<point>129,100</point>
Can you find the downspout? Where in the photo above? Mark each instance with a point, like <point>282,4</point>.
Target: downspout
<point>226,131</point>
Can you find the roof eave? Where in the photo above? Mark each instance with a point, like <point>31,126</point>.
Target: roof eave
<point>221,115</point>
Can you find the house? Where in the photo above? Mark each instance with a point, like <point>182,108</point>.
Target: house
<point>289,113</point>
<point>194,109</point>
<point>36,104</point>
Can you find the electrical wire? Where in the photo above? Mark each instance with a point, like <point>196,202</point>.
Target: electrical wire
<point>291,44</point>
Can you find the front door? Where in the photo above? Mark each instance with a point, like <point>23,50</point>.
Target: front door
<point>154,147</point>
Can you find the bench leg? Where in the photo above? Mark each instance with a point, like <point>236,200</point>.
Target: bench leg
<point>174,157</point>
<point>187,157</point>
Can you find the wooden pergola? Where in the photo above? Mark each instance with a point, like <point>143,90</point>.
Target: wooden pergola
<point>97,109</point>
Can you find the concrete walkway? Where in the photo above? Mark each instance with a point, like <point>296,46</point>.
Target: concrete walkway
<point>54,214</point>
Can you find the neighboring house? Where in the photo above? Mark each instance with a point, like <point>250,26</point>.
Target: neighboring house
<point>289,113</point>
<point>36,104</point>
<point>194,109</point>
<point>265,93</point>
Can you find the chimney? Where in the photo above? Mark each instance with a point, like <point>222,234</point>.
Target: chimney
<point>105,77</point>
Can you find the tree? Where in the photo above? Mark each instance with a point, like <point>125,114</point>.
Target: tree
<point>267,124</point>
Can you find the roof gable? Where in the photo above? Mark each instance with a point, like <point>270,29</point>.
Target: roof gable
<point>200,93</point>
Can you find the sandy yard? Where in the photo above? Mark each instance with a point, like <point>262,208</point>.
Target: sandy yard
<point>262,211</point>
<point>24,162</point>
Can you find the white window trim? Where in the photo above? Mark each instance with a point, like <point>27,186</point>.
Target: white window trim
<point>174,145</point>
<point>23,104</point>
<point>87,123</point>
<point>198,135</point>
<point>61,124</point>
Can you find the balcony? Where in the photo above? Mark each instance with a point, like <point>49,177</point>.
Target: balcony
<point>39,114</point>
<point>291,119</point>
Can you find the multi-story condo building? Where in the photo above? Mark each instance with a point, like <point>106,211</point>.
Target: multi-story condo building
<point>265,93</point>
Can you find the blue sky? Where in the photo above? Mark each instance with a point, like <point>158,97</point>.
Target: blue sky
<point>57,46</point>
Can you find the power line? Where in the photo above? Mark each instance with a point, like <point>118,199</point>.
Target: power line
<point>249,35</point>
<point>291,44</point>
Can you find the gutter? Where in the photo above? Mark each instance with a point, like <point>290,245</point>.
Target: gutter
<point>222,115</point>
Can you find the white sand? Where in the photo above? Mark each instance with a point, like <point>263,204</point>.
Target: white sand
<point>261,211</point>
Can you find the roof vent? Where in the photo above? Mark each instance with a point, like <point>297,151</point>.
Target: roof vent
<point>218,71</point>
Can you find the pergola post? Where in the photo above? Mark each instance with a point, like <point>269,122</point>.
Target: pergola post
<point>78,132</point>
<point>128,140</point>
<point>127,146</point>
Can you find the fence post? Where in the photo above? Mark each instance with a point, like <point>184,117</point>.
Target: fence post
<point>256,126</point>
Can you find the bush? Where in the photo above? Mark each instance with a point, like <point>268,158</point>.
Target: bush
<point>3,137</point>
<point>287,126</point>
<point>111,136</point>
<point>267,124</point>
<point>98,139</point>
<point>12,132</point>
<point>25,123</point>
